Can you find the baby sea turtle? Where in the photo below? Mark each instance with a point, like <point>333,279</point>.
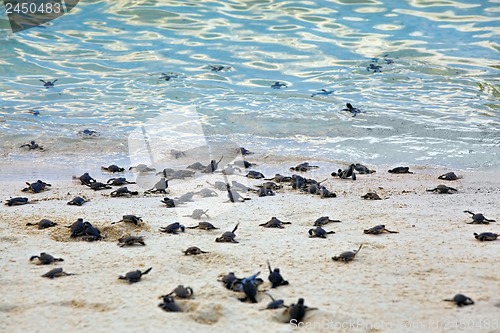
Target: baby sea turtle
<point>324,220</point>
<point>186,197</point>
<point>347,173</point>
<point>478,218</point>
<point>181,292</point>
<point>181,174</point>
<point>228,280</point>
<point>16,201</point>
<point>204,226</point>
<point>244,164</point>
<point>56,272</point>
<point>349,108</point>
<point>141,168</point>
<point>86,179</point>
<point>486,236</point>
<point>218,68</point>
<point>275,277</point>
<point>78,227</point>
<point>36,187</point>
<point>347,256</point>
<point>134,276</point>
<point>449,176</point>
<point>460,300</point>
<point>130,240</point>
<point>177,153</point>
<point>279,178</point>
<point>323,92</point>
<point>249,287</point>
<point>241,187</point>
<point>32,145</point>
<point>361,169</point>
<point>374,68</point>
<point>123,192</point>
<point>173,228</point>
<point>265,192</point>
<point>197,214</point>
<point>275,304</point>
<point>87,133</point>
<point>169,305</point>
<point>168,77</point>
<point>169,202</point>
<point>119,181</point>
<point>278,85</point>
<point>443,189</point>
<point>371,196</point>
<point>254,175</point>
<point>302,167</point>
<point>77,201</point>
<point>112,168</point>
<point>230,170</point>
<point>97,186</point>
<point>319,232</point>
<point>274,223</point>
<point>400,170</point>
<point>91,233</point>
<point>228,236</point>
<point>296,312</point>
<point>43,224</point>
<point>129,219</point>
<point>221,186</point>
<point>378,230</point>
<point>196,166</point>
<point>206,192</point>
<point>243,151</point>
<point>325,193</point>
<point>193,250</point>
<point>48,84</point>
<point>160,186</point>
<point>234,196</point>
<point>45,259</point>
<point>212,166</point>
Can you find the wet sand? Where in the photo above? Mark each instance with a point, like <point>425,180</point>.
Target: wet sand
<point>396,283</point>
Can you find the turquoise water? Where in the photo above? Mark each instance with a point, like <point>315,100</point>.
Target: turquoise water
<point>435,100</point>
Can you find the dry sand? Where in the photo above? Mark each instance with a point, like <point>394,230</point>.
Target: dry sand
<point>397,283</point>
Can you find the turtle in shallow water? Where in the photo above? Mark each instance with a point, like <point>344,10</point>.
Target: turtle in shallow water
<point>169,304</point>
<point>87,133</point>
<point>228,236</point>
<point>378,229</point>
<point>97,186</point>
<point>134,276</point>
<point>77,201</point>
<point>295,313</point>
<point>323,92</point>
<point>123,192</point>
<point>400,169</point>
<point>243,151</point>
<point>193,250</point>
<point>218,68</point>
<point>303,167</point>
<point>275,277</point>
<point>36,187</point>
<point>48,84</point>
<point>449,176</point>
<point>112,168</point>
<point>203,226</point>
<point>181,292</point>
<point>32,145</point>
<point>173,228</point>
<point>206,192</point>
<point>278,85</point>
<point>45,259</point>
<point>443,189</point>
<point>43,224</point>
<point>16,201</point>
<point>374,68</point>
<point>460,300</point>
<point>319,232</point>
<point>160,186</point>
<point>324,220</point>
<point>86,179</point>
<point>129,219</point>
<point>168,77</point>
<point>119,181</point>
<point>349,108</point>
<point>130,240</point>
<point>348,255</point>
<point>56,272</point>
<point>486,236</point>
<point>274,223</point>
<point>197,214</point>
<point>478,218</point>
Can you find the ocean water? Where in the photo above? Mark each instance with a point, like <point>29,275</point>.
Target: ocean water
<point>433,98</point>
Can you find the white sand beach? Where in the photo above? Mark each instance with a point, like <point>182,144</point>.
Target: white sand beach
<point>396,283</point>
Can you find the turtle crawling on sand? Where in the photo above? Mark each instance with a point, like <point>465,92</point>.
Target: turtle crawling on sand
<point>228,236</point>
<point>478,218</point>
<point>443,189</point>
<point>319,232</point>
<point>86,179</point>
<point>324,220</point>
<point>203,226</point>
<point>302,167</point>
<point>43,224</point>
<point>16,201</point>
<point>113,168</point>
<point>45,259</point>
<point>173,228</point>
<point>274,304</point>
<point>449,176</point>
<point>206,193</point>
<point>36,187</point>
<point>56,272</point>
<point>129,219</point>
<point>275,277</point>
<point>181,292</point>
<point>460,300</point>
<point>274,223</point>
<point>134,276</point>
<point>378,229</point>
<point>169,202</point>
<point>130,240</point>
<point>361,169</point>
<point>400,170</point>
<point>347,173</point>
<point>193,251</point>
<point>169,304</point>
<point>486,236</point>
<point>371,196</point>
<point>119,181</point>
<point>77,201</point>
<point>347,256</point>
<point>97,186</point>
<point>123,192</point>
<point>197,214</point>
<point>295,313</point>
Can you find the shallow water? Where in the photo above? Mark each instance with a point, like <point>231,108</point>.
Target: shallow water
<point>434,102</point>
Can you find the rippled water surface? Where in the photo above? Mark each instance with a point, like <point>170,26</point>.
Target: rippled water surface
<point>433,101</point>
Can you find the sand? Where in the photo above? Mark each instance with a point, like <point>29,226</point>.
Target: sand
<point>397,282</point>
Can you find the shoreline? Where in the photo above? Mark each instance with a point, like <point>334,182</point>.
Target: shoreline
<point>397,280</point>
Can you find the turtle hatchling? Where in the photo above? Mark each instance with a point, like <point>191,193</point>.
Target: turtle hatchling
<point>371,196</point>
<point>275,304</point>
<point>43,224</point>
<point>32,145</point>
<point>347,256</point>
<point>378,230</point>
<point>160,186</point>
<point>197,214</point>
<point>134,276</point>
<point>349,108</point>
<point>274,223</point>
<point>254,175</point>
<point>278,85</point>
<point>324,220</point>
<point>173,228</point>
<point>228,236</point>
<point>361,169</point>
<point>123,192</point>
<point>443,189</point>
<point>48,84</point>
<point>275,277</point>
<point>206,193</point>
<point>302,167</point>
<point>203,226</point>
<point>319,232</point>
<point>460,300</point>
<point>130,240</point>
<point>129,219</point>
<point>181,292</point>
<point>97,186</point>
<point>449,176</point>
<point>113,168</point>
<point>296,312</point>
<point>36,187</point>
<point>119,181</point>
<point>45,259</point>
<point>77,201</point>
<point>17,201</point>
<point>86,179</point>
<point>400,170</point>
<point>193,251</point>
<point>478,218</point>
<point>56,272</point>
<point>169,305</point>
<point>486,236</point>
<point>169,202</point>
